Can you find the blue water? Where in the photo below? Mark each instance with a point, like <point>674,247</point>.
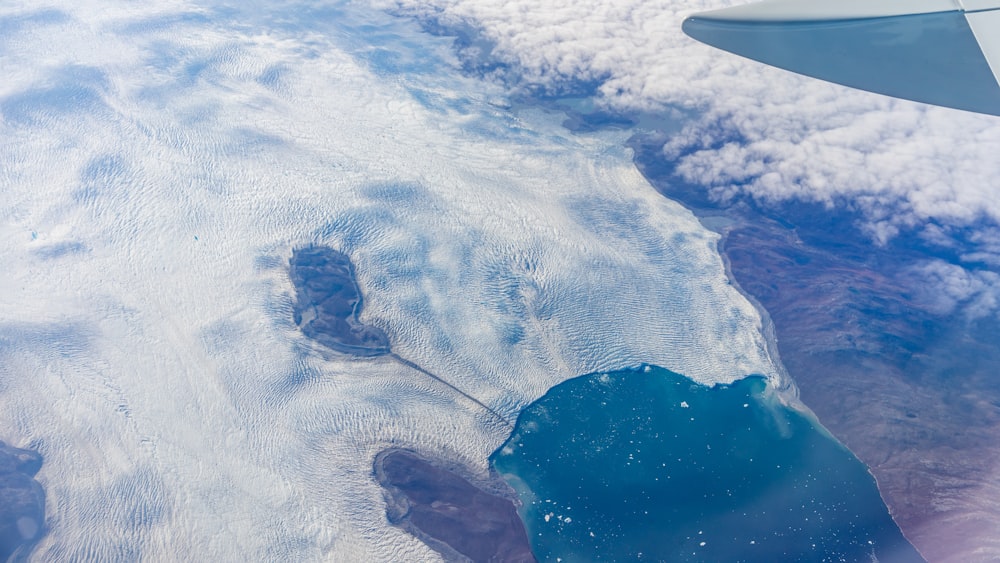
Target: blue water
<point>650,466</point>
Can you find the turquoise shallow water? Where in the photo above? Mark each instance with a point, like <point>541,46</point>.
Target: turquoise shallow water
<point>650,466</point>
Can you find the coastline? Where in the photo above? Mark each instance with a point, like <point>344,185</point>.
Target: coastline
<point>724,220</point>
<point>788,393</point>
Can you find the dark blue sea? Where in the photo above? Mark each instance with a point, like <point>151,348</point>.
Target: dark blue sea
<point>649,466</point>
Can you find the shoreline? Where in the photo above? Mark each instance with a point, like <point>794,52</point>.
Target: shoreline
<point>724,221</point>
<point>788,392</point>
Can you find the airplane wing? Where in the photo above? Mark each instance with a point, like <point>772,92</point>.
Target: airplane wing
<point>942,52</point>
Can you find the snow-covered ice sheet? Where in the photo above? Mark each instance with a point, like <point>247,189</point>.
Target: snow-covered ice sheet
<point>158,164</point>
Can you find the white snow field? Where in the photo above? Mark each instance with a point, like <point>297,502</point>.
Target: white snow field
<point>158,164</point>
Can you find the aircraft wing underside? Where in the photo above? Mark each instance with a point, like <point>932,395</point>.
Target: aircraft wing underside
<point>943,52</point>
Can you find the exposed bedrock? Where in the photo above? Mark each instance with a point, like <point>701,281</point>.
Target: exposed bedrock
<point>454,517</point>
<point>329,302</point>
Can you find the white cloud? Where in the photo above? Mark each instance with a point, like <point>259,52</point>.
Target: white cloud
<point>944,288</point>
<point>901,162</point>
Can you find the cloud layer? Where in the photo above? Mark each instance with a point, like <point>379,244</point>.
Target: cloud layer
<point>899,162</point>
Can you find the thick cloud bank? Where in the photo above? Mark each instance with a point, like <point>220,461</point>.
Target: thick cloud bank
<point>157,167</point>
<point>746,128</point>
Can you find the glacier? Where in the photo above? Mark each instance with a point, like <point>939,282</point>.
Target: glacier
<point>159,164</point>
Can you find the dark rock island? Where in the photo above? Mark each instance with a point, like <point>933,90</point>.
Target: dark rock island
<point>454,517</point>
<point>328,303</point>
<point>22,502</point>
